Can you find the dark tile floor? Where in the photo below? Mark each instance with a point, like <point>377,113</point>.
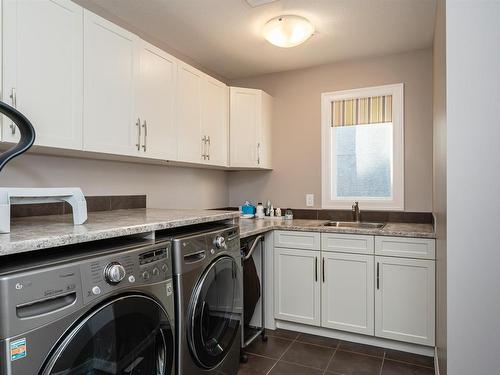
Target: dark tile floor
<point>293,353</point>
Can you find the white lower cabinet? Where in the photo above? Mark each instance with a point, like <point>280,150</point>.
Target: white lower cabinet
<point>405,299</point>
<point>347,300</point>
<point>384,296</point>
<point>297,285</point>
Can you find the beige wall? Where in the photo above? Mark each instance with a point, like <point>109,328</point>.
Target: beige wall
<point>165,187</point>
<point>297,128</point>
<point>439,180</point>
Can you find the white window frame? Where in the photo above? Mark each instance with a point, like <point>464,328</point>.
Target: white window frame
<point>396,202</point>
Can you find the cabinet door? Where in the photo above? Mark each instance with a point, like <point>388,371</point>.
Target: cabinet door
<point>404,300</point>
<point>155,102</point>
<point>244,120</point>
<point>347,293</point>
<point>191,148</point>
<point>110,71</point>
<point>43,69</point>
<point>297,285</point>
<point>215,120</point>
<point>264,135</point>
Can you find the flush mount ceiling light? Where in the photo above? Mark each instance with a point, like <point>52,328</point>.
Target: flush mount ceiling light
<point>288,31</point>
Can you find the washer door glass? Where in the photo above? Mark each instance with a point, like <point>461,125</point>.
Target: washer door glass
<point>215,312</point>
<point>128,335</point>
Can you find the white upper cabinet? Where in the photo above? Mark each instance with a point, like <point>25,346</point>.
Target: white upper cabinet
<point>111,63</point>
<point>250,117</point>
<point>88,84</point>
<point>43,69</point>
<point>202,117</point>
<point>191,146</point>
<point>214,112</point>
<point>245,106</point>
<point>264,136</point>
<point>155,102</point>
<point>405,299</point>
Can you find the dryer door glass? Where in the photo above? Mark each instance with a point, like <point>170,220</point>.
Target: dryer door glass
<point>215,312</point>
<point>127,335</point>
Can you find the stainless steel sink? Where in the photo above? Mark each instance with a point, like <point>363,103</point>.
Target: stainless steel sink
<point>354,224</point>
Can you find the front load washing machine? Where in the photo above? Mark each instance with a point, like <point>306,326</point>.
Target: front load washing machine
<point>209,304</point>
<point>105,311</point>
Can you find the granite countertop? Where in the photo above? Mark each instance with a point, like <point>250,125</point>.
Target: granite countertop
<point>42,232</point>
<point>249,227</point>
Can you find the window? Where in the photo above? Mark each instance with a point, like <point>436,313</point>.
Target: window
<point>363,148</point>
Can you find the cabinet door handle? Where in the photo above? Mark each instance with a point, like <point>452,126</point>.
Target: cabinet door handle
<point>138,124</point>
<point>13,97</point>
<point>316,269</point>
<point>145,126</point>
<point>258,153</point>
<point>323,269</point>
<point>203,147</point>
<point>208,147</point>
<point>378,275</point>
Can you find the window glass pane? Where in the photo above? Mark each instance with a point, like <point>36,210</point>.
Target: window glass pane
<point>363,155</point>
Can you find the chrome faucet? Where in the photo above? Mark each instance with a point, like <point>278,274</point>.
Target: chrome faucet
<point>355,212</point>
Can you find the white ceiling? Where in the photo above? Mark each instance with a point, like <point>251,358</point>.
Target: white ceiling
<point>224,36</point>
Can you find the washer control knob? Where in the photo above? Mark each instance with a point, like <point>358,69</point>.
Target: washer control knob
<point>114,273</point>
<point>220,242</point>
<point>146,275</point>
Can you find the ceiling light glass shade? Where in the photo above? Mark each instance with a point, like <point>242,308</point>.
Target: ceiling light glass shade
<point>288,31</point>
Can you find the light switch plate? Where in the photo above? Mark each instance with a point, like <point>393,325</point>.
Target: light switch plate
<point>309,200</point>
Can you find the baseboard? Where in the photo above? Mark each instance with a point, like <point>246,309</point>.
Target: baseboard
<point>358,338</point>
<point>436,361</point>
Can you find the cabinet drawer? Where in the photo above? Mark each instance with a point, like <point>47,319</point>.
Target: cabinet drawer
<point>420,248</point>
<point>347,243</point>
<point>297,240</point>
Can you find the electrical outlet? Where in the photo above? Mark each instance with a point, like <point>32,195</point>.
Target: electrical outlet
<point>309,200</point>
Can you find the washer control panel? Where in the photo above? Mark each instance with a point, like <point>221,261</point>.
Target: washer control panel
<point>140,266</point>
<point>194,250</point>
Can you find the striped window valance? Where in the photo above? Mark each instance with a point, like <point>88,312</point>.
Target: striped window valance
<point>361,111</point>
